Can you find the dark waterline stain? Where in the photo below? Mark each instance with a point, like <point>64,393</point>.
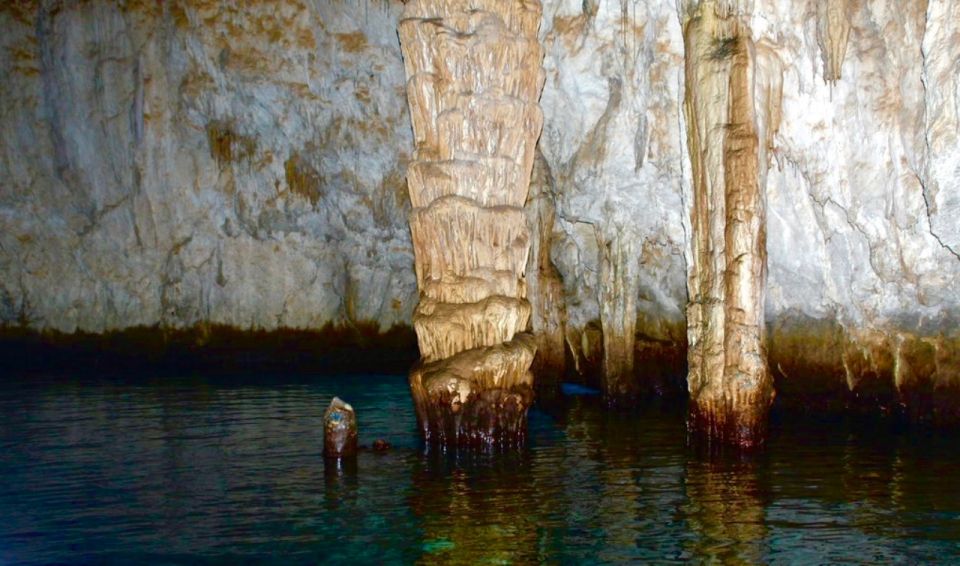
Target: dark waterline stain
<point>214,468</point>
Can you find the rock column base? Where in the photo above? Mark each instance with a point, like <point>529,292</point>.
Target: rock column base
<point>477,398</point>
<point>721,424</point>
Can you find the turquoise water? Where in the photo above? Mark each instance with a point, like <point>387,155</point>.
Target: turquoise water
<point>229,470</point>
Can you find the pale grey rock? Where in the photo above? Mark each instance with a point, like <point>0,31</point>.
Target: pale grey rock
<point>614,143</point>
<point>182,162</point>
<point>940,74</point>
<point>861,190</point>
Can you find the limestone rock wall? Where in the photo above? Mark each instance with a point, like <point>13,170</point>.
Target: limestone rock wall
<point>858,191</point>
<point>613,143</point>
<point>202,161</point>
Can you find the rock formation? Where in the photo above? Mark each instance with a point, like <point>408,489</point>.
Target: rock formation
<point>473,84</point>
<point>833,30</point>
<point>181,163</point>
<point>729,381</point>
<point>544,285</point>
<point>339,430</point>
<point>614,150</point>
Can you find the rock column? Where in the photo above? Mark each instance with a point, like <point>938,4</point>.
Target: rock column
<point>473,83</point>
<point>730,386</point>
<point>619,280</point>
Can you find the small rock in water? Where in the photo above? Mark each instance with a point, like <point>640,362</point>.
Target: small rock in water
<point>381,445</point>
<point>339,430</point>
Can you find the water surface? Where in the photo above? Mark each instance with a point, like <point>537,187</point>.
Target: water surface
<point>226,469</point>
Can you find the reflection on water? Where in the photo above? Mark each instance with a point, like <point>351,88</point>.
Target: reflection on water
<point>725,511</point>
<point>230,469</point>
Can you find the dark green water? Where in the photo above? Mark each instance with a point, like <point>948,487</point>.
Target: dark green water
<point>228,470</point>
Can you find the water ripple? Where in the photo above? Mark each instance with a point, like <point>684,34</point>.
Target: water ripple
<point>226,470</point>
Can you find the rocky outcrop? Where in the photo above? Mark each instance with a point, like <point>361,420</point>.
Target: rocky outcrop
<point>339,430</point>
<point>473,82</point>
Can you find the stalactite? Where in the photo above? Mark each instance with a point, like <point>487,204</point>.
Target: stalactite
<point>733,8</point>
<point>474,80</point>
<point>730,385</point>
<point>833,30</point>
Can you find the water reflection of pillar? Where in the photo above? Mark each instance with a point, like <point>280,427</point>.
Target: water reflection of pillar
<point>478,509</point>
<point>340,483</point>
<point>618,484</point>
<point>724,510</point>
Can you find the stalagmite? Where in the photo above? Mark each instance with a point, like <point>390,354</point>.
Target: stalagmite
<point>473,85</point>
<point>730,385</point>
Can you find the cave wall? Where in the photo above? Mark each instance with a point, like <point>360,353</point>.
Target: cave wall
<point>187,161</point>
<point>861,180</point>
<point>182,162</point>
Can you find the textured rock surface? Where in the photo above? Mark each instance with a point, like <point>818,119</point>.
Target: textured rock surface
<point>339,430</point>
<point>185,161</point>
<point>614,146</point>
<point>191,161</point>
<point>473,81</point>
<point>544,286</point>
<point>728,130</point>
<point>859,248</point>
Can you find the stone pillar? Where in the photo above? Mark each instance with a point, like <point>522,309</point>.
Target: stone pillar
<point>730,386</point>
<point>473,84</point>
<point>619,286</point>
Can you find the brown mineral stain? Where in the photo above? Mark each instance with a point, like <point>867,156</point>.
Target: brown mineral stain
<point>305,39</point>
<point>22,11</point>
<point>227,146</point>
<point>179,16</point>
<point>302,178</point>
<point>353,42</point>
<point>362,94</point>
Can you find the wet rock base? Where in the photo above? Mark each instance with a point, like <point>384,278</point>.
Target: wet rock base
<point>723,427</point>
<point>494,419</point>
